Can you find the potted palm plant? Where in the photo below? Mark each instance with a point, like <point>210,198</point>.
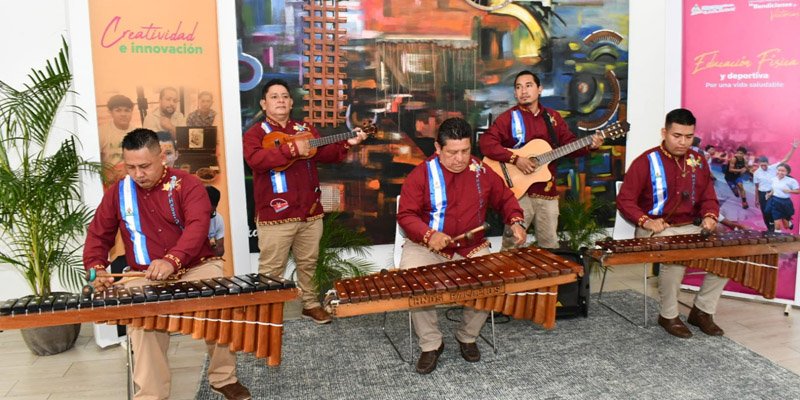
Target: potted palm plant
<point>41,214</point>
<point>578,229</point>
<point>342,253</point>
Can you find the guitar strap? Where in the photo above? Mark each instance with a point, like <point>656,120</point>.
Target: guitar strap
<point>278,178</point>
<point>550,130</point>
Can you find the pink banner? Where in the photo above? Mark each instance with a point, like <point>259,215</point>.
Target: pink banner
<point>741,75</point>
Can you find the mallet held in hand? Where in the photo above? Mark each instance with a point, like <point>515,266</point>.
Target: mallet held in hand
<point>91,275</point>
<point>470,234</point>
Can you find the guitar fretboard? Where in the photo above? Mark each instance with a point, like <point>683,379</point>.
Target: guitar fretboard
<point>559,152</point>
<point>317,142</point>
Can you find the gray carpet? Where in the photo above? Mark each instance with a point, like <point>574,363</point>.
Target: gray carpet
<point>602,356</point>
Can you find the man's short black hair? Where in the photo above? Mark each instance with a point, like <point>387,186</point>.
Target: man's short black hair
<point>680,116</point>
<point>709,146</point>
<point>272,83</point>
<point>164,90</point>
<point>742,149</point>
<point>140,138</point>
<point>164,136</point>
<point>213,195</point>
<point>526,72</point>
<point>119,100</point>
<point>453,129</point>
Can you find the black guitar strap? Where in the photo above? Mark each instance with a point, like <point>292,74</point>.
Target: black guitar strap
<point>550,130</point>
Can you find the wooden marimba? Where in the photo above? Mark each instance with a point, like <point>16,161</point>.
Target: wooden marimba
<point>747,257</point>
<point>245,311</point>
<point>521,283</point>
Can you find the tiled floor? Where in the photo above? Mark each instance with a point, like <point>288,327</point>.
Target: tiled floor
<point>88,372</point>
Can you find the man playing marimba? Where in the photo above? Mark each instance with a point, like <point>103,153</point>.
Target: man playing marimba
<point>443,197</point>
<point>163,214</point>
<point>665,192</point>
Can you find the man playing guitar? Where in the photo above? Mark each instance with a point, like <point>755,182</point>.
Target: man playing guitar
<point>526,121</point>
<point>287,199</point>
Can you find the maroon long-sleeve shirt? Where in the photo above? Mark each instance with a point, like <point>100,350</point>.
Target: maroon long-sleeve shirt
<point>687,193</point>
<point>180,238</point>
<point>496,141</point>
<point>466,204</point>
<point>293,195</point>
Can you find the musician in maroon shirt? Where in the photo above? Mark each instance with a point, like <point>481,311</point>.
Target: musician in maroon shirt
<point>515,127</point>
<point>163,215</point>
<point>287,203</point>
<point>443,197</point>
<point>666,191</point>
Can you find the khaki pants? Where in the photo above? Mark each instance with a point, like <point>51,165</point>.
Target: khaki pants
<point>670,277</point>
<point>426,324</point>
<point>302,238</point>
<point>543,213</point>
<point>151,373</point>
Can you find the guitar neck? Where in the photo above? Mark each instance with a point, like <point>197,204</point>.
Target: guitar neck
<point>559,152</point>
<point>317,142</point>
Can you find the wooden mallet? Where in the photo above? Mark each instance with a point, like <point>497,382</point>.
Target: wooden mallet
<point>91,275</point>
<point>469,234</point>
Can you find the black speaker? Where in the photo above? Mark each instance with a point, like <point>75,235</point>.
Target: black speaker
<point>573,298</point>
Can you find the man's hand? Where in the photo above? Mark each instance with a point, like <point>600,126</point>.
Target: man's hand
<point>102,281</point>
<point>166,124</point>
<point>709,224</point>
<point>439,240</point>
<point>303,147</point>
<point>655,225</point>
<point>520,235</point>
<point>159,270</point>
<point>597,141</point>
<point>360,137</point>
<point>526,165</point>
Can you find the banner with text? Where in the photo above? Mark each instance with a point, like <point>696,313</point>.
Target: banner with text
<point>741,68</point>
<point>156,65</point>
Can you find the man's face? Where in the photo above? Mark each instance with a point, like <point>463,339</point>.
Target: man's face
<point>144,166</point>
<point>763,165</point>
<point>169,102</point>
<point>121,116</point>
<point>526,91</point>
<point>677,138</point>
<point>204,103</point>
<point>277,103</point>
<point>454,155</point>
<point>170,153</point>
<point>739,154</point>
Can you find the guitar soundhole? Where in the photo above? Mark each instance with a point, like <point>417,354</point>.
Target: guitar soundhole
<point>277,143</point>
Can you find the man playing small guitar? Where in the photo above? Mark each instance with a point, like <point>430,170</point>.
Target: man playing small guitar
<point>287,193</point>
<point>526,121</point>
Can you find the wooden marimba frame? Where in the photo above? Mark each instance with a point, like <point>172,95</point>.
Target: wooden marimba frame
<point>244,312</point>
<point>746,257</point>
<point>521,283</point>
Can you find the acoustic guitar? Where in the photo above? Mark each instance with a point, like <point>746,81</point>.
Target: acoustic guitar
<point>541,151</point>
<point>276,138</point>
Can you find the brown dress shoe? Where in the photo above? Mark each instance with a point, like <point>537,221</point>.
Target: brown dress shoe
<point>427,360</point>
<point>317,314</point>
<point>675,327</point>
<point>469,351</point>
<point>704,321</point>
<point>233,391</point>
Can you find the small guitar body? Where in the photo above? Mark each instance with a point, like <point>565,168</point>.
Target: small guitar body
<point>275,139</point>
<point>516,180</point>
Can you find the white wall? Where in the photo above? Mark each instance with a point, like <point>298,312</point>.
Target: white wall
<point>32,29</point>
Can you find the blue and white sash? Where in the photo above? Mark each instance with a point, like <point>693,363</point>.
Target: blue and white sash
<point>438,194</point>
<point>278,178</point>
<point>659,181</point>
<point>129,209</point>
<point>517,128</point>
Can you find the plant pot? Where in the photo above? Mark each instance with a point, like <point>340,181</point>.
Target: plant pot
<point>51,340</point>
